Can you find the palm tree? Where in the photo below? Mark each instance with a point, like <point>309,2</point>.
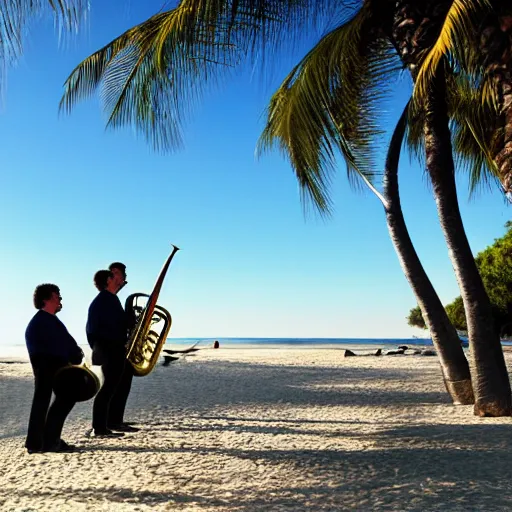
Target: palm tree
<point>454,366</point>
<point>490,377</point>
<point>147,71</point>
<point>308,116</point>
<point>476,37</point>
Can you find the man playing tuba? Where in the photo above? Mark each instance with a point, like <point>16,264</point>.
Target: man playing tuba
<point>115,420</point>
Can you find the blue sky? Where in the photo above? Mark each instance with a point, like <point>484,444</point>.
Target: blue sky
<point>74,197</point>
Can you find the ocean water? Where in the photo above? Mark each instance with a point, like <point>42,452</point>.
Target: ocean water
<point>302,343</point>
<point>20,351</point>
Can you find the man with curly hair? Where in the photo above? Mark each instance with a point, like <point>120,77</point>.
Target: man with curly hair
<point>50,348</point>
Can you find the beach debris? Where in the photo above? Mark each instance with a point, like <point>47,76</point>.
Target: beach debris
<point>168,360</point>
<point>187,352</point>
<point>394,352</point>
<point>401,350</point>
<point>349,353</point>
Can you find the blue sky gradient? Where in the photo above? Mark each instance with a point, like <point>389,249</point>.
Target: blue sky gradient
<point>75,197</point>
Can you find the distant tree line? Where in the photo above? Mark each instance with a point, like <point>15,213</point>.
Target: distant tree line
<point>495,266</point>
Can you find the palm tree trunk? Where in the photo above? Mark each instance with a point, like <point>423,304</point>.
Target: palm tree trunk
<point>491,383</point>
<point>454,365</point>
<point>496,50</point>
<point>416,25</point>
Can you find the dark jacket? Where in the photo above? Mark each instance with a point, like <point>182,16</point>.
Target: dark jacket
<point>46,335</point>
<point>107,328</point>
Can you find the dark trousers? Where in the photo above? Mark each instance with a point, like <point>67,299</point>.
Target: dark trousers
<point>45,425</point>
<point>118,402</point>
<point>112,367</point>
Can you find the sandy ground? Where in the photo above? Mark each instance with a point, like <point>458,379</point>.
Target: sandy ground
<point>267,429</point>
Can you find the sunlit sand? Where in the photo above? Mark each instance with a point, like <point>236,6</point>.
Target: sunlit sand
<point>267,429</point>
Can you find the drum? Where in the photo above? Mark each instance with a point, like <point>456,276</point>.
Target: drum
<point>78,382</point>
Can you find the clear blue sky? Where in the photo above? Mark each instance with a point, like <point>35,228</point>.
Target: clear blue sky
<point>75,197</point>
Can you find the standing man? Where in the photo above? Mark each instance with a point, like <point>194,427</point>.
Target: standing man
<point>50,348</point>
<point>107,335</point>
<point>118,402</point>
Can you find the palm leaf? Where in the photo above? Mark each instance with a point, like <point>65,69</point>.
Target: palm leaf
<point>15,14</point>
<point>151,75</point>
<point>265,24</point>
<point>456,42</point>
<point>475,130</point>
<point>329,104</point>
<point>473,125</point>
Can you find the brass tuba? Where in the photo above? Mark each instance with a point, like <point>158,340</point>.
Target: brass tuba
<point>151,325</point>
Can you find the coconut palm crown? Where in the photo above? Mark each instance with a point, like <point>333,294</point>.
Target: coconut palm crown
<point>152,74</point>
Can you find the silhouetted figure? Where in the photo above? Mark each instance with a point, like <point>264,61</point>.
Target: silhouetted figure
<point>216,344</point>
<point>115,420</point>
<point>51,348</point>
<point>107,336</point>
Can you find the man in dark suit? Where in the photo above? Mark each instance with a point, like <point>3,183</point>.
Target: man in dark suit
<point>118,402</point>
<point>50,348</point>
<point>107,330</point>
<point>106,333</point>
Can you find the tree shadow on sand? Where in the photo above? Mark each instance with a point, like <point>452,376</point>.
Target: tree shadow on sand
<point>415,468</point>
<point>232,383</point>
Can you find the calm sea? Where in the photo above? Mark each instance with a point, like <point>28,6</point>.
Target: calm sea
<point>300,342</point>
<point>19,350</point>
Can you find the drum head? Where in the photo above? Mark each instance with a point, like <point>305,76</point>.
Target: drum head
<point>76,383</point>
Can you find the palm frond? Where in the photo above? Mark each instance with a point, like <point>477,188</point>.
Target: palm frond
<point>414,138</point>
<point>475,130</point>
<point>264,24</point>
<point>455,43</point>
<point>151,75</point>
<point>329,104</point>
<point>15,16</point>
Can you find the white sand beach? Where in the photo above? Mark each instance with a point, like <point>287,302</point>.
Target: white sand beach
<point>267,429</point>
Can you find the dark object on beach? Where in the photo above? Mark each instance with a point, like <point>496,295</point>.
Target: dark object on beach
<point>168,360</point>
<point>402,347</point>
<point>428,352</point>
<point>379,352</point>
<point>186,351</point>
<point>216,344</point>
<point>76,382</point>
<point>349,353</point>
<point>394,352</point>
<point>416,352</point>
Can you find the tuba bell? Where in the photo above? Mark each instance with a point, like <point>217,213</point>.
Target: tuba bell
<point>151,324</point>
